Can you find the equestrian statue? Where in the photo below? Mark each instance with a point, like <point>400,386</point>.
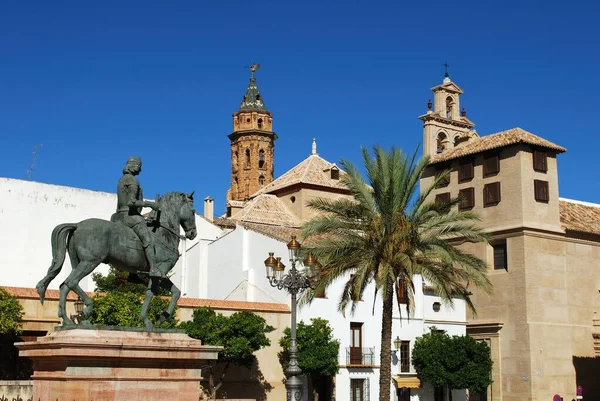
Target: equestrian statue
<point>128,242</point>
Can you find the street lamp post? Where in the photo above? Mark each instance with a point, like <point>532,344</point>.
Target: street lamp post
<point>294,282</point>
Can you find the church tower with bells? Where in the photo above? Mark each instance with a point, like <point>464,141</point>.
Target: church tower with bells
<point>252,144</point>
<point>445,125</point>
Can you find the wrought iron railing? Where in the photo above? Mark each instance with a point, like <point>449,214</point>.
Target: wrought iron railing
<point>360,356</point>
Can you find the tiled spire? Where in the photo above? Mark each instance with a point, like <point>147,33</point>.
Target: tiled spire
<point>252,99</point>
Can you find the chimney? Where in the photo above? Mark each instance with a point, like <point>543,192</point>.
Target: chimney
<point>209,208</point>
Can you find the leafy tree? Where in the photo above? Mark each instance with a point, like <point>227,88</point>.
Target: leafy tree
<point>117,280</point>
<point>11,326</point>
<point>388,234</point>
<point>317,351</point>
<point>122,299</point>
<point>240,335</point>
<point>123,309</point>
<point>11,313</point>
<point>457,362</point>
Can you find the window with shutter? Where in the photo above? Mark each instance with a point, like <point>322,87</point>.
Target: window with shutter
<point>467,196</point>
<point>491,194</point>
<point>500,256</point>
<point>405,357</point>
<point>540,163</point>
<point>491,165</point>
<point>540,189</point>
<point>445,182</point>
<point>465,170</point>
<point>443,198</point>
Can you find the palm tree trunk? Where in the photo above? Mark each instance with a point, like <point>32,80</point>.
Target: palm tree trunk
<point>385,363</point>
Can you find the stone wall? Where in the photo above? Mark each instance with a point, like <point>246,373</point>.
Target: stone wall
<point>16,390</point>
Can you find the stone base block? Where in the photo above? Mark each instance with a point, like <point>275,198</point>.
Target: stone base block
<point>110,365</point>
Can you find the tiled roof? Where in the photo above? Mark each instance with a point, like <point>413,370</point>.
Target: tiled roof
<point>224,222</point>
<point>236,203</point>
<point>266,209</point>
<point>312,170</point>
<point>580,216</point>
<point>252,100</point>
<point>31,293</point>
<point>493,141</point>
<point>280,233</point>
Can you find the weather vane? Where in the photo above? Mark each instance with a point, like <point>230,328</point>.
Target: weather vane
<point>253,67</point>
<point>446,65</point>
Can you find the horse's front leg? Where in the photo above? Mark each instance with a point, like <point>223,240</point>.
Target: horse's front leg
<point>152,289</point>
<point>167,284</point>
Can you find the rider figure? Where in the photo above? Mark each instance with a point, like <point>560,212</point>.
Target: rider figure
<point>130,202</point>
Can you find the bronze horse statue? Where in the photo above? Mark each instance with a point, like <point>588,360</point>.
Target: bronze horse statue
<point>94,241</point>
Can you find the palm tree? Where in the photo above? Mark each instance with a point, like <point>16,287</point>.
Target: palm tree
<point>388,234</point>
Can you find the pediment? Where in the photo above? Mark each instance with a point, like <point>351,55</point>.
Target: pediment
<point>448,87</point>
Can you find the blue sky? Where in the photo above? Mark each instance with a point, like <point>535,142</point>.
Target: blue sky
<point>97,83</point>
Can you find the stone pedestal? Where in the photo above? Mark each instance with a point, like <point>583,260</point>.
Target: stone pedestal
<point>111,365</point>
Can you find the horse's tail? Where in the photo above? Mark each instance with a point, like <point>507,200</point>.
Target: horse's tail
<point>59,239</point>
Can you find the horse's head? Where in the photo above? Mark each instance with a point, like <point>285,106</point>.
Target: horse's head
<point>181,207</point>
<point>187,215</point>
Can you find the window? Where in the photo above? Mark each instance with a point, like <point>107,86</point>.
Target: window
<point>465,170</point>
<point>335,173</point>
<point>439,394</point>
<point>403,394</point>
<point>402,294</point>
<point>442,142</point>
<point>405,357</point>
<point>491,165</point>
<point>541,191</point>
<point>261,180</point>
<point>247,161</point>
<point>261,158</point>
<point>540,161</point>
<point>359,389</point>
<point>500,256</point>
<point>491,194</point>
<point>446,181</point>
<point>467,196</point>
<point>449,106</point>
<point>355,343</point>
<point>260,120</point>
<point>443,198</point>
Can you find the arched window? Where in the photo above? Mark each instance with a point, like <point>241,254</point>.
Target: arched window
<point>261,158</point>
<point>247,158</point>
<point>449,106</point>
<point>260,123</point>
<point>261,180</point>
<point>442,142</point>
<point>235,188</point>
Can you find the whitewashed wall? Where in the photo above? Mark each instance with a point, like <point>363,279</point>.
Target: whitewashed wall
<point>193,261</point>
<point>30,210</point>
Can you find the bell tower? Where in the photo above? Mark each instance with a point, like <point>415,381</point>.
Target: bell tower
<point>445,125</point>
<point>252,144</point>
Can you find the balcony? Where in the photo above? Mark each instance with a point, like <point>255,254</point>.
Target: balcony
<point>357,356</point>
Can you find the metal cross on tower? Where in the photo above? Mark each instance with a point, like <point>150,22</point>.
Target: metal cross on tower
<point>446,65</point>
